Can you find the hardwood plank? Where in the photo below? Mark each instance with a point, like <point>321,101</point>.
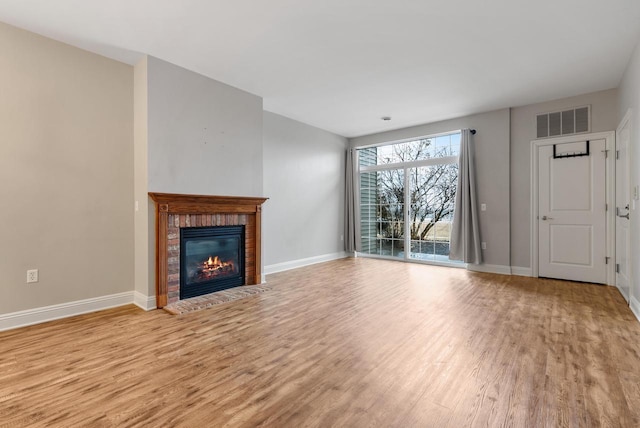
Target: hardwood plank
<point>354,342</point>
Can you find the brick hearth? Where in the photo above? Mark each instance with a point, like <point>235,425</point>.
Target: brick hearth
<point>174,211</point>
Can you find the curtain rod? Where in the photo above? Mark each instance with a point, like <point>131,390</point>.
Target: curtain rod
<point>473,131</point>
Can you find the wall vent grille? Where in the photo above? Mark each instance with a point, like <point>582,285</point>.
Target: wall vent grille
<point>565,122</point>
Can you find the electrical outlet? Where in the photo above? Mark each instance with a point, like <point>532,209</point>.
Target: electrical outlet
<point>32,275</point>
<point>484,245</point>
<point>483,207</point>
<point>342,237</point>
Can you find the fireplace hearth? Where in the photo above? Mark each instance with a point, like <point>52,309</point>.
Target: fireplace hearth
<point>211,259</point>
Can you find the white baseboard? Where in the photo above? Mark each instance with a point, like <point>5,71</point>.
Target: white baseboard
<point>504,270</point>
<point>634,304</point>
<point>501,269</point>
<point>63,310</point>
<point>521,271</point>
<point>624,293</point>
<point>279,267</point>
<point>147,303</point>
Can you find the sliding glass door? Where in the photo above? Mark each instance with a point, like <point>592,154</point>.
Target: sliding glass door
<point>407,194</point>
<point>432,193</point>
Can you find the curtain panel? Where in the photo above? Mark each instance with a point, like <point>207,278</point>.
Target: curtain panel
<point>352,204</point>
<point>465,233</point>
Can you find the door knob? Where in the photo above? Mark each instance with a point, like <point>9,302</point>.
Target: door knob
<point>620,215</point>
<point>544,217</point>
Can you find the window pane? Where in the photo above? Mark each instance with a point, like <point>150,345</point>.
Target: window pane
<point>443,146</point>
<point>432,192</point>
<point>398,229</point>
<point>455,144</point>
<point>408,151</point>
<point>382,212</point>
<point>367,156</point>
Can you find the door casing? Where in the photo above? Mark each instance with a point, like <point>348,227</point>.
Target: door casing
<point>609,138</point>
<point>626,121</point>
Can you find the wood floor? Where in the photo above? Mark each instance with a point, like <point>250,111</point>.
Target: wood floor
<point>355,342</point>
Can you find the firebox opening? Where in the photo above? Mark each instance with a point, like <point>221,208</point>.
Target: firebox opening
<point>211,259</point>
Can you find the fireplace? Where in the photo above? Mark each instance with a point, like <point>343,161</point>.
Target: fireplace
<point>211,259</point>
<point>176,214</point>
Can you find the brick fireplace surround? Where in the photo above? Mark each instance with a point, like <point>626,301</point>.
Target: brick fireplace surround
<point>175,211</point>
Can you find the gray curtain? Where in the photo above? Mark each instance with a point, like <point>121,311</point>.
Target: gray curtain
<point>465,233</point>
<point>351,204</point>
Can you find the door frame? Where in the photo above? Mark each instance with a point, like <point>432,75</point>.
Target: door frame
<point>609,138</point>
<point>626,120</point>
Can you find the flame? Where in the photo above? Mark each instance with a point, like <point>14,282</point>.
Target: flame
<point>214,263</point>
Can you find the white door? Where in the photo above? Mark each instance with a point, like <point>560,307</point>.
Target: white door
<point>623,196</point>
<point>572,212</point>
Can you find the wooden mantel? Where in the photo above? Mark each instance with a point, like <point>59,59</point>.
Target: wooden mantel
<point>169,204</point>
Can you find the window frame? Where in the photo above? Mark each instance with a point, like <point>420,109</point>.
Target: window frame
<point>405,167</point>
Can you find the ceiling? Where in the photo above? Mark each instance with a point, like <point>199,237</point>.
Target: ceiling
<point>341,65</point>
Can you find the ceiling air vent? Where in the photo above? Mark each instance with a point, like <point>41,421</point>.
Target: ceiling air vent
<point>566,122</point>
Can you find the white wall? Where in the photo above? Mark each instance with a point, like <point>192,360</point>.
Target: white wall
<point>492,164</point>
<point>604,113</point>
<point>304,181</point>
<point>204,137</point>
<point>66,172</point>
<point>629,98</point>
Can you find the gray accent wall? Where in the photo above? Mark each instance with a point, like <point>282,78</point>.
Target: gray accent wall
<point>204,137</point>
<point>492,163</point>
<point>629,98</point>
<point>604,113</point>
<point>304,180</point>
<point>66,168</point>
